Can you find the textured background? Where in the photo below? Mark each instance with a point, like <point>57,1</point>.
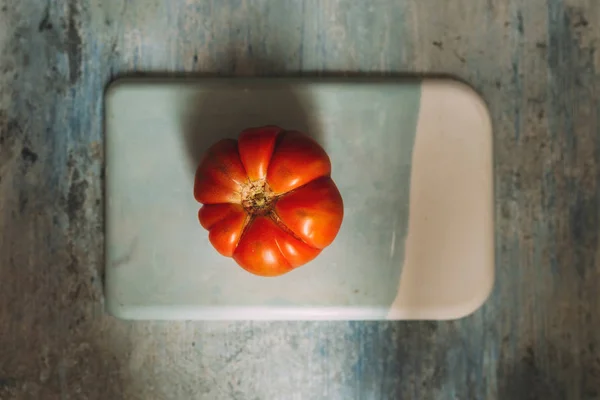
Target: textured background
<point>535,63</point>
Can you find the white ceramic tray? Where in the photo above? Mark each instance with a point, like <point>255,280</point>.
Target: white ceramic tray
<point>412,160</point>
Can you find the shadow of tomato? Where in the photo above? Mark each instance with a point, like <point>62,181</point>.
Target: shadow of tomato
<point>223,107</point>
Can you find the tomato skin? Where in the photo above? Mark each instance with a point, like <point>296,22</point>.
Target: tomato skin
<point>225,223</point>
<point>256,147</point>
<point>297,161</point>
<point>268,199</point>
<point>267,250</point>
<point>221,174</point>
<point>313,212</point>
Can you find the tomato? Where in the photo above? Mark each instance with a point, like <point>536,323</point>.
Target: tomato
<point>268,200</point>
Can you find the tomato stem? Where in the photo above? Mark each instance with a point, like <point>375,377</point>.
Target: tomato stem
<point>257,198</point>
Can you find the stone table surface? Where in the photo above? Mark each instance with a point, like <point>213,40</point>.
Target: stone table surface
<point>534,61</point>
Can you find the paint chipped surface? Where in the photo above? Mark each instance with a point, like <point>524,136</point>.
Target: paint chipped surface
<point>535,63</point>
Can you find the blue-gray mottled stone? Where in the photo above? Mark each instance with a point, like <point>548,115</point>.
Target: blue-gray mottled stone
<point>533,61</point>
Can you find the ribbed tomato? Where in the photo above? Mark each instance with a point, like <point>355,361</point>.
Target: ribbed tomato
<point>268,199</point>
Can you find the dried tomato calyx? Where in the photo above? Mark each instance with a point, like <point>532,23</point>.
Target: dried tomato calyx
<point>257,198</point>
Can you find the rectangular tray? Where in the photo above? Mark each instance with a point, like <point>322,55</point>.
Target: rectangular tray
<point>412,160</point>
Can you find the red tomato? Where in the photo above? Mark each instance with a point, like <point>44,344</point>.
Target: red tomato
<point>268,199</point>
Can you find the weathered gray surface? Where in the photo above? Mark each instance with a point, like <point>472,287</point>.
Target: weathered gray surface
<point>535,63</point>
